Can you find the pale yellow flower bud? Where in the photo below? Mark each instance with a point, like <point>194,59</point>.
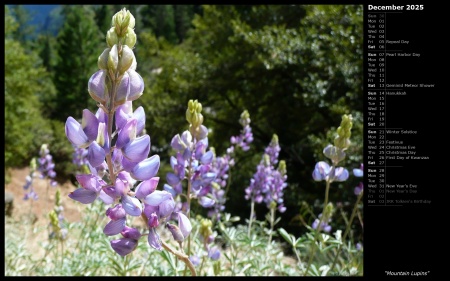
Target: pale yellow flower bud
<point>130,38</point>
<point>103,59</point>
<point>113,59</point>
<point>111,37</point>
<point>126,60</point>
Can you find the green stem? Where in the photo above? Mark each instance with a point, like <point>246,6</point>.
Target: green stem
<point>228,184</point>
<point>233,263</point>
<point>144,265</point>
<point>47,251</point>
<point>86,221</point>
<point>31,211</point>
<point>347,229</point>
<point>272,220</point>
<point>112,175</point>
<point>62,253</point>
<point>188,198</point>
<point>110,111</point>
<point>201,265</point>
<point>46,196</point>
<point>183,257</point>
<point>251,217</point>
<point>125,266</point>
<point>298,256</point>
<point>312,252</point>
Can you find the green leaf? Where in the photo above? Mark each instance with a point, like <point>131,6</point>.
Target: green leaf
<point>288,237</point>
<point>169,258</point>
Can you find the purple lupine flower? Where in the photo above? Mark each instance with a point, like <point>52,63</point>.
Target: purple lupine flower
<point>79,156</point>
<point>146,169</point>
<point>195,260</point>
<point>146,187</point>
<point>359,188</point>
<point>194,152</point>
<point>121,190</point>
<point>125,112</point>
<point>276,187</point>
<point>91,186</point>
<point>163,200</point>
<point>259,184</point>
<point>117,223</point>
<point>218,196</point>
<point>214,253</point>
<point>359,173</point>
<point>184,224</point>
<point>176,232</point>
<point>334,153</point>
<point>128,243</point>
<point>246,136</point>
<point>46,165</point>
<point>28,187</point>
<point>323,171</point>
<point>268,183</point>
<point>116,147</point>
<point>359,246</point>
<point>31,195</point>
<point>193,160</point>
<point>159,207</point>
<point>324,225</point>
<point>273,150</point>
<point>82,135</point>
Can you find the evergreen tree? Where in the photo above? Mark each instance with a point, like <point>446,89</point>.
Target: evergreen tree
<point>26,83</point>
<point>103,15</point>
<point>160,19</point>
<point>25,32</point>
<point>183,15</point>
<point>79,42</point>
<point>54,21</point>
<point>46,42</point>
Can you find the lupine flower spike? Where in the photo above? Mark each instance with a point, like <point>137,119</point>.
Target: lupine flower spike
<point>111,142</point>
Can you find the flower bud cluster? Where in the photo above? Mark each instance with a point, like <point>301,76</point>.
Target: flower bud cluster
<point>336,153</point>
<point>246,137</point>
<point>57,226</point>
<point>117,81</point>
<point>207,237</point>
<point>342,139</point>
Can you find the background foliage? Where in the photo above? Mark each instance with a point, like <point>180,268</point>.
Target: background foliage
<point>295,68</point>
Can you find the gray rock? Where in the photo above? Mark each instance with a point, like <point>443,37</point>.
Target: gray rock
<point>9,199</point>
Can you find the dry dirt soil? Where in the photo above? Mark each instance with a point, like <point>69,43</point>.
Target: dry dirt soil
<point>30,214</point>
<point>46,202</point>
